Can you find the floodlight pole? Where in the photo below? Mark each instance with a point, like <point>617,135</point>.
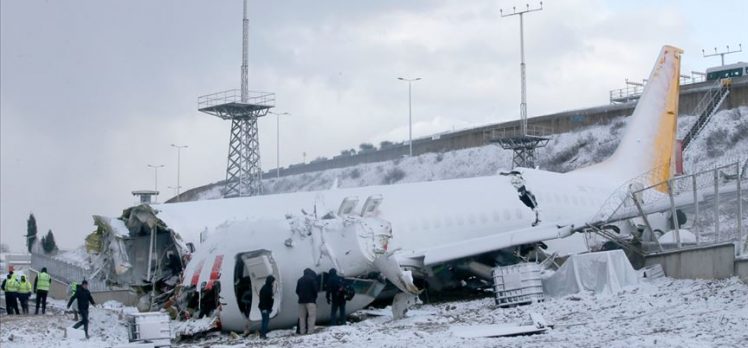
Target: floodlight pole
<point>179,157</point>
<point>722,54</point>
<point>277,141</point>
<point>410,111</point>
<point>155,169</point>
<point>523,103</point>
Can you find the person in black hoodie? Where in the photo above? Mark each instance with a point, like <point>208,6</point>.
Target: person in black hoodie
<point>307,289</point>
<point>84,299</point>
<point>266,305</point>
<point>335,296</point>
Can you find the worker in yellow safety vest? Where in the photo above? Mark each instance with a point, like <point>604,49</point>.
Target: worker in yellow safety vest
<point>24,292</point>
<point>41,288</point>
<point>10,286</point>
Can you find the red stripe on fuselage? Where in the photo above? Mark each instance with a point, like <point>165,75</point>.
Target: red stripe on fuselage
<point>216,271</point>
<point>196,275</point>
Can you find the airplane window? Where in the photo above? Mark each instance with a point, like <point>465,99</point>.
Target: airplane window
<point>460,220</point>
<point>519,213</point>
<point>437,222</point>
<point>471,219</point>
<point>496,216</point>
<point>483,218</point>
<point>507,215</point>
<point>449,221</point>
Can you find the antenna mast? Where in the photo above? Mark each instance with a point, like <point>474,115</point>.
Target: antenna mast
<point>245,55</point>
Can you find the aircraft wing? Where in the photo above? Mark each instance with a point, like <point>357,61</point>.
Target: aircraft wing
<point>475,246</point>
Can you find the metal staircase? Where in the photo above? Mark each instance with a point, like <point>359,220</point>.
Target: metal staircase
<point>707,107</point>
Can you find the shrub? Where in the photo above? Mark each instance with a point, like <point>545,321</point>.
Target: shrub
<point>393,175</point>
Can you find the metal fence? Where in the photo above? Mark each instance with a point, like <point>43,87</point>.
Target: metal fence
<point>66,272</point>
<point>714,209</point>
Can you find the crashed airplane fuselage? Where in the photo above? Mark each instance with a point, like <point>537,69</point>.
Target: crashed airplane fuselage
<point>421,226</point>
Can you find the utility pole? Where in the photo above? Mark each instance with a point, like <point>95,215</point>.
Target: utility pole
<point>179,166</point>
<point>410,111</point>
<point>523,103</point>
<point>722,54</point>
<point>277,141</point>
<point>155,170</point>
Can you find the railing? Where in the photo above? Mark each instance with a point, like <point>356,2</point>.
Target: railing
<point>629,93</point>
<point>516,131</point>
<point>235,96</point>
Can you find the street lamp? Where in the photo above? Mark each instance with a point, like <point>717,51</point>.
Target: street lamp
<point>155,169</point>
<point>410,112</point>
<point>277,141</point>
<point>179,151</point>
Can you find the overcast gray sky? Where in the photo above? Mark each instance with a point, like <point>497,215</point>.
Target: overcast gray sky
<point>93,91</point>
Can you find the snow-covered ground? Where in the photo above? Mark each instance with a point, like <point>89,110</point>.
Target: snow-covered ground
<point>107,327</point>
<point>658,313</point>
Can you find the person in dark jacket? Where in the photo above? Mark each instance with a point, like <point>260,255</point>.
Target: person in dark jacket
<point>266,305</point>
<point>335,295</point>
<point>307,289</point>
<point>83,296</point>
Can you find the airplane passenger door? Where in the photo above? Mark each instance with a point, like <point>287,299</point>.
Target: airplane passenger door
<point>258,265</point>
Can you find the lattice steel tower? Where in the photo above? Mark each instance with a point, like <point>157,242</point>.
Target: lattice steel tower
<point>243,107</point>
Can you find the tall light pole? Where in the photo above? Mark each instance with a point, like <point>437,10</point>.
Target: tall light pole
<point>523,103</point>
<point>410,111</point>
<point>179,158</point>
<point>155,169</point>
<point>277,141</point>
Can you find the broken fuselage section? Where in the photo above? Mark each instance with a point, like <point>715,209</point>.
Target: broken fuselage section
<point>234,263</point>
<point>138,251</point>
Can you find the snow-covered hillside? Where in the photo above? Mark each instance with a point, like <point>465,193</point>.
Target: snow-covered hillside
<point>723,140</point>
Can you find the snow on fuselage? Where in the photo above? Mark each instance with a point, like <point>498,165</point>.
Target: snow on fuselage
<point>422,214</point>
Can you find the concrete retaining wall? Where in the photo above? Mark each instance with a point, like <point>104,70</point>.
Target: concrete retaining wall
<point>741,269</point>
<point>705,262</point>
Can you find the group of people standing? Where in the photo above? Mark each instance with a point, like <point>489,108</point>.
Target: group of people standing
<point>18,288</point>
<point>337,293</point>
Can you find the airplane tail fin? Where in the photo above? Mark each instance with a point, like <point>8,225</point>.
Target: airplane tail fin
<point>648,145</point>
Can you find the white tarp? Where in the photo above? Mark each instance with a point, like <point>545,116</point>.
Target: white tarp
<point>604,272</point>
